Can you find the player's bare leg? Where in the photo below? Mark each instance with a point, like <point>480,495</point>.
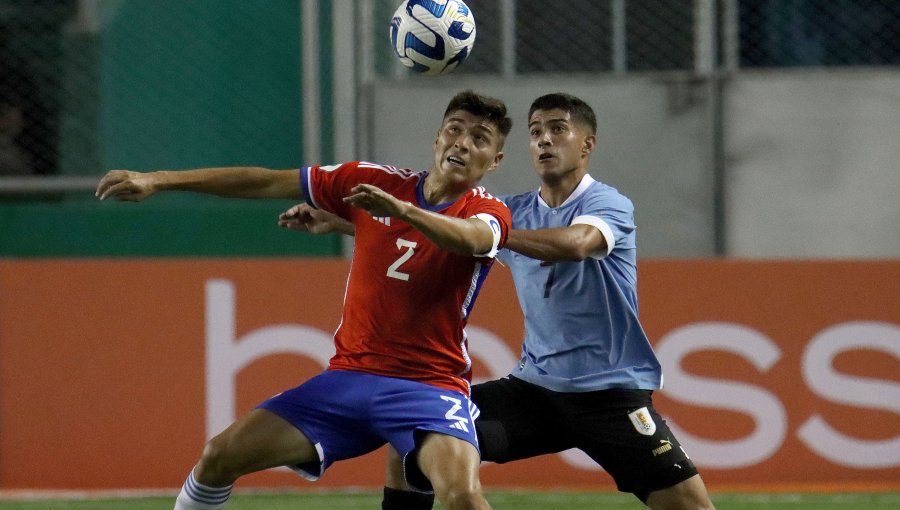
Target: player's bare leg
<point>393,473</point>
<point>260,440</point>
<point>451,466</point>
<point>399,495</point>
<point>688,495</point>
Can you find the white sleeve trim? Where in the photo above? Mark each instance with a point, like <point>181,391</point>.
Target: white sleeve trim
<point>604,230</point>
<point>495,229</point>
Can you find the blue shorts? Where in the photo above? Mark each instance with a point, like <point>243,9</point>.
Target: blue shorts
<point>346,414</point>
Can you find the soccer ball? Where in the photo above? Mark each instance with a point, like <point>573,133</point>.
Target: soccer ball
<point>432,36</point>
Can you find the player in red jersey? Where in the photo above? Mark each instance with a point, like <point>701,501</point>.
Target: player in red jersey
<point>424,312</point>
<point>424,243</point>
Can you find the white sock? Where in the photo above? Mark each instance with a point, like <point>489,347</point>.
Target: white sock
<point>196,496</point>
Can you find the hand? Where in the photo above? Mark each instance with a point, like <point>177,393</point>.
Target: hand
<point>306,218</point>
<point>376,202</point>
<point>126,186</point>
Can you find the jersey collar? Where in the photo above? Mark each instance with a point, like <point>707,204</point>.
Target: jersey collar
<point>585,183</point>
<point>420,196</point>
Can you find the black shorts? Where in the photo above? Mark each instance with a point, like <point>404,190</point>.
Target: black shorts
<point>619,429</point>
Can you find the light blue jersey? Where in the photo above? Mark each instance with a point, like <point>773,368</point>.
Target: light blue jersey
<point>581,318</point>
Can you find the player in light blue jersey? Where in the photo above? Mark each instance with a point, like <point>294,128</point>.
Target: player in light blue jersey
<point>581,325</point>
<point>587,372</point>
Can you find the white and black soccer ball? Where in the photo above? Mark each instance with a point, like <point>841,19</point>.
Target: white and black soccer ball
<point>433,36</point>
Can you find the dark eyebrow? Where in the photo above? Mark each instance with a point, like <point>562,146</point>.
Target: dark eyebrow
<point>562,120</point>
<point>488,128</point>
<point>482,127</point>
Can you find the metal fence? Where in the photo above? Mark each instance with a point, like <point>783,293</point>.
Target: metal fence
<point>90,84</point>
<point>85,84</point>
<point>31,91</point>
<point>529,37</point>
<point>815,33</point>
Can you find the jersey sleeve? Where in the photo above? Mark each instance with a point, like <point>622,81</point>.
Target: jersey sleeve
<point>494,213</point>
<point>504,254</point>
<point>613,215</point>
<point>324,187</point>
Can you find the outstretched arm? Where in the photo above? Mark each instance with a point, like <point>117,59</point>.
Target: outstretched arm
<point>576,242</point>
<point>572,243</point>
<point>464,236</point>
<point>240,182</point>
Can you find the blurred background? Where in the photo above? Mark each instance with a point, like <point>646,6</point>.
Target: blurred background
<point>752,129</point>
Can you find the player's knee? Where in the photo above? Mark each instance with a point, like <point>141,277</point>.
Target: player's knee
<point>691,505</point>
<point>216,467</point>
<point>463,499</point>
<point>702,503</point>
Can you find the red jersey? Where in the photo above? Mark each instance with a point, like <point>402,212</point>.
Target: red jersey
<point>407,300</point>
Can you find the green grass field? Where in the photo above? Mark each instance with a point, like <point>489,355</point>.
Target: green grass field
<point>499,500</point>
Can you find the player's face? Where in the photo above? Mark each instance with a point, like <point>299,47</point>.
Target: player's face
<point>466,148</point>
<point>559,146</point>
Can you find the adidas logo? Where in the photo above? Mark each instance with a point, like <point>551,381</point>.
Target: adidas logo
<point>460,426</point>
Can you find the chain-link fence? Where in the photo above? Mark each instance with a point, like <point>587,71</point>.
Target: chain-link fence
<point>815,33</point>
<point>31,63</point>
<point>582,36</point>
<point>528,37</point>
<point>90,84</point>
<point>85,84</point>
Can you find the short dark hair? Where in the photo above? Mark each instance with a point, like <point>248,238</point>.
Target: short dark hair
<point>580,111</point>
<point>489,108</point>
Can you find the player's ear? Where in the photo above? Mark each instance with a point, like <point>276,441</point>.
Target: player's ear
<point>588,144</point>
<point>496,162</point>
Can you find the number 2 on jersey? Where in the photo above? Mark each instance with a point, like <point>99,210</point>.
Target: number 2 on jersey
<point>410,249</point>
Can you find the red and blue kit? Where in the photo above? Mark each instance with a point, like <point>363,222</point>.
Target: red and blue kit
<point>407,300</point>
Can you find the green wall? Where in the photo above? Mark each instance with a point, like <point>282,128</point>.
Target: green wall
<point>172,227</point>
<point>201,83</point>
<point>174,84</point>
